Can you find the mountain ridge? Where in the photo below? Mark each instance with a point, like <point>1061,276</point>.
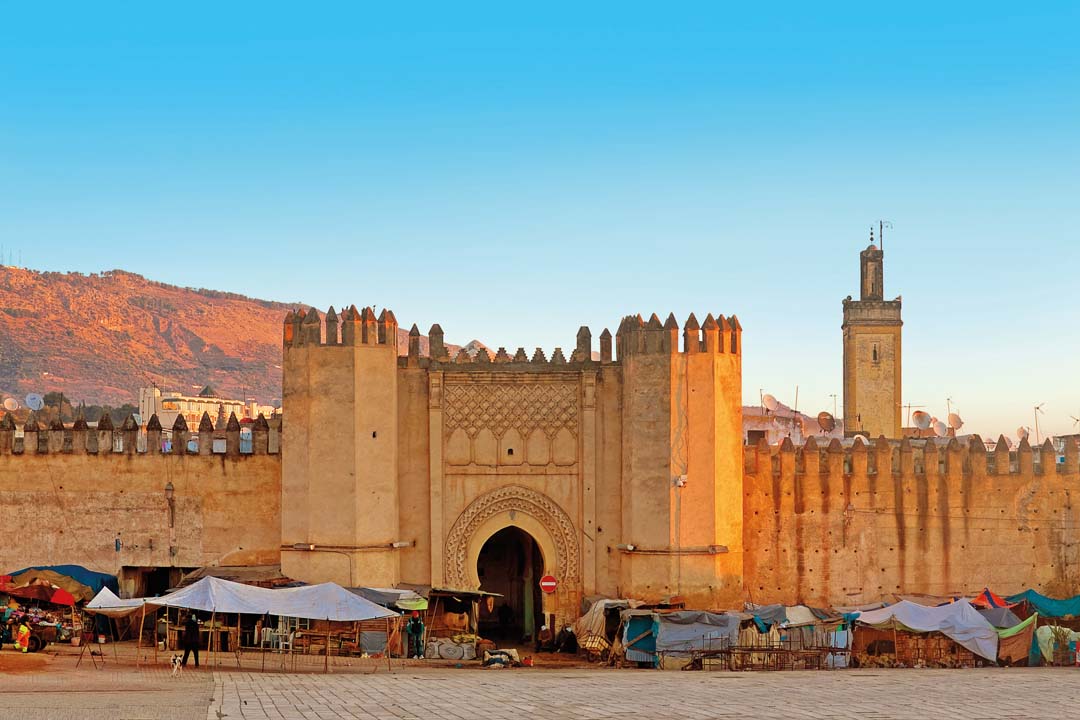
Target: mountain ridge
<point>98,337</point>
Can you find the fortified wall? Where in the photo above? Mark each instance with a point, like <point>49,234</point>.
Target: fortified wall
<point>624,464</point>
<point>829,526</point>
<point>69,496</point>
<point>626,471</point>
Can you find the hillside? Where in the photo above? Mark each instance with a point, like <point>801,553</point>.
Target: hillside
<point>97,338</point>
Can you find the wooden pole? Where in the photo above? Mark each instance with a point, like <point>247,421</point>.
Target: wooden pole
<point>262,643</point>
<point>166,629</point>
<point>155,632</point>
<point>116,633</point>
<point>326,664</point>
<point>138,646</point>
<point>210,638</point>
<point>389,667</point>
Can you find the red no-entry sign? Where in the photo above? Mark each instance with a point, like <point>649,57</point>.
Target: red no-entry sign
<point>548,583</point>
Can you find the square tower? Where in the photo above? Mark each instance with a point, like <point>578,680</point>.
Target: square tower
<point>872,353</point>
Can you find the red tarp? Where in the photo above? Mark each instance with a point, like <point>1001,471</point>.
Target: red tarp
<point>988,599</point>
<point>44,593</point>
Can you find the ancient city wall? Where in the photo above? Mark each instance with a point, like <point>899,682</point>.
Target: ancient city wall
<point>829,526</point>
<point>67,496</point>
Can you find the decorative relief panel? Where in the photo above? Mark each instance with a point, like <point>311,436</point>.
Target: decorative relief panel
<point>500,406</point>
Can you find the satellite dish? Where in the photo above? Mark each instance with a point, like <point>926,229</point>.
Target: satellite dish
<point>276,403</point>
<point>922,419</point>
<point>826,422</point>
<point>11,404</point>
<point>955,422</point>
<point>860,440</point>
<point>940,428</point>
<point>35,402</point>
<point>769,402</point>
<point>1021,433</point>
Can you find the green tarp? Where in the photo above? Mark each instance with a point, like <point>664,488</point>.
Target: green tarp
<point>1049,607</point>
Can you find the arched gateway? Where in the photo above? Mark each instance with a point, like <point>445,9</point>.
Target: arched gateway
<point>513,506</point>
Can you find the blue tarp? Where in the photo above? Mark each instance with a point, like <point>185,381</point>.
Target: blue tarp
<point>1048,606</point>
<point>92,579</point>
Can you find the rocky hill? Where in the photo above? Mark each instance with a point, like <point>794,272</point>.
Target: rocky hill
<point>98,338</point>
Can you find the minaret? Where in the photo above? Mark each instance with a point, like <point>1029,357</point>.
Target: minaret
<point>872,353</point>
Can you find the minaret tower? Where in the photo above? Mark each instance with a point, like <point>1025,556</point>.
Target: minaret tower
<point>872,353</point>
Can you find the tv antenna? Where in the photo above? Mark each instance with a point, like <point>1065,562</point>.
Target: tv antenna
<point>909,406</point>
<point>882,224</point>
<point>1076,421</point>
<point>1038,409</point>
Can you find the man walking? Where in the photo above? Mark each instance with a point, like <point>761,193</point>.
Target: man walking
<point>190,639</point>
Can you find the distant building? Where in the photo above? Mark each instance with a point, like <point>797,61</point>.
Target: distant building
<point>783,422</point>
<point>168,405</point>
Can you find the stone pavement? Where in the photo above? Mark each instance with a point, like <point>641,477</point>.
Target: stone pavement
<point>54,690</point>
<point>110,694</point>
<point>537,694</point>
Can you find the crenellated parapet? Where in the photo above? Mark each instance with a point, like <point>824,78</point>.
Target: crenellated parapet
<point>717,335</point>
<point>131,439</point>
<point>953,458</point>
<point>354,327</point>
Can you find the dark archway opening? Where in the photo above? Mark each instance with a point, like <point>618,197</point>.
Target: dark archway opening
<point>510,564</point>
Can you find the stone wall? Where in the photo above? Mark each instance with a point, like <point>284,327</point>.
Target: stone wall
<point>58,508</point>
<point>828,526</point>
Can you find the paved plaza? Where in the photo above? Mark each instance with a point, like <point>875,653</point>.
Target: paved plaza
<point>538,694</point>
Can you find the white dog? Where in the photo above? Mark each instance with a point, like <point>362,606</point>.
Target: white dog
<point>177,665</point>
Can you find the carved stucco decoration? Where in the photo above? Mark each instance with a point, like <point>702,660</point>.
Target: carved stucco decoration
<point>519,499</point>
<point>523,406</point>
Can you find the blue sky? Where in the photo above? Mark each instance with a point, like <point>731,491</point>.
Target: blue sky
<point>513,173</point>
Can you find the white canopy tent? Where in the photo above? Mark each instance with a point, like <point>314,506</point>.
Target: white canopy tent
<point>959,621</point>
<point>315,602</point>
<point>107,603</point>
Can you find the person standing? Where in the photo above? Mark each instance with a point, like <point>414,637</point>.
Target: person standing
<point>23,637</point>
<point>415,630</point>
<point>190,639</point>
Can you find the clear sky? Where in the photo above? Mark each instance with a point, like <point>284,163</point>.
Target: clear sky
<point>513,173</point>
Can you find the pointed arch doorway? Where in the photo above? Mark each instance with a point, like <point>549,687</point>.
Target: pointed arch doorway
<point>511,563</point>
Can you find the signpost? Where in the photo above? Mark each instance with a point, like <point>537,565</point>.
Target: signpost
<point>548,583</point>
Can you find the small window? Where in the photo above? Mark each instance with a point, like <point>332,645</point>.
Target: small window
<point>509,451</point>
<point>373,434</point>
<point>875,353</point>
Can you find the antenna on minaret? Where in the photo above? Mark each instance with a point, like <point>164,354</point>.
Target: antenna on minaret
<point>881,233</point>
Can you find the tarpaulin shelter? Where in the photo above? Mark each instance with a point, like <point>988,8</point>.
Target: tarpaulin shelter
<point>1048,638</point>
<point>1000,617</point>
<point>90,578</point>
<point>401,598</point>
<point>80,592</point>
<point>682,631</point>
<point>1048,607</point>
<point>326,601</point>
<point>260,575</point>
<point>42,593</point>
<point>108,604</point>
<point>959,621</point>
<point>595,629</point>
<point>988,599</point>
<point>1015,643</point>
